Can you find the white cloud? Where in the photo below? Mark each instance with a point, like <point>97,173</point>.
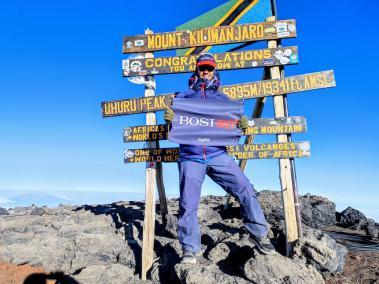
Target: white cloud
<point>5,201</point>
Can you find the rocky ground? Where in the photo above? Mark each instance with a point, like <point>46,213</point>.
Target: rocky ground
<point>360,267</point>
<point>102,244</point>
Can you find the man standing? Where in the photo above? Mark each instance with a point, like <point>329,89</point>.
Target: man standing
<point>196,161</point>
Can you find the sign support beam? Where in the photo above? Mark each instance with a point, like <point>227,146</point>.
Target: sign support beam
<point>257,112</point>
<point>293,169</point>
<point>154,179</point>
<point>285,172</point>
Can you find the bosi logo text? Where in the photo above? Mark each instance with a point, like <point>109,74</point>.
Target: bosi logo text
<point>207,122</point>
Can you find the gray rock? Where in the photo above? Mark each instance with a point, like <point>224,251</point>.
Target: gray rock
<point>371,222</point>
<point>94,249</point>
<point>204,274</point>
<point>351,218</point>
<point>171,226</point>
<point>272,205</point>
<point>31,240</point>
<point>20,210</point>
<point>37,211</point>
<point>208,214</point>
<point>169,257</point>
<point>372,231</point>
<point>3,211</point>
<point>213,201</point>
<point>371,228</point>
<point>211,236</point>
<point>63,240</point>
<point>10,211</point>
<point>318,249</point>
<point>219,252</point>
<point>317,212</point>
<point>108,274</point>
<point>267,269</point>
<point>103,242</point>
<point>158,273</point>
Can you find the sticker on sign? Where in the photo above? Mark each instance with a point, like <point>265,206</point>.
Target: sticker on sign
<point>140,42</point>
<point>135,65</point>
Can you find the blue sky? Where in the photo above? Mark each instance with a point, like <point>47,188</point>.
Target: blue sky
<point>61,59</point>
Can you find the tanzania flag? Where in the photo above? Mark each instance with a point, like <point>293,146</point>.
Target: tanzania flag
<point>231,13</point>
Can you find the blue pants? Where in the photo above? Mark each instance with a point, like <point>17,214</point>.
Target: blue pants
<point>225,172</point>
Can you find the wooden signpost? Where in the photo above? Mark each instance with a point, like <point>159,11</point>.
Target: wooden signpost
<point>150,187</point>
<point>285,173</point>
<point>225,61</point>
<point>252,90</point>
<point>296,124</point>
<point>274,85</point>
<point>210,36</point>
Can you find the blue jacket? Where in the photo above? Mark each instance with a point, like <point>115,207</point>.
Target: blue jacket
<point>207,90</point>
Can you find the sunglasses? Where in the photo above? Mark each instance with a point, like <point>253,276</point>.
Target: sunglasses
<point>206,67</point>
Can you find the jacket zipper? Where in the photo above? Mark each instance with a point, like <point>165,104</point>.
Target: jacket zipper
<point>203,94</point>
<point>204,97</point>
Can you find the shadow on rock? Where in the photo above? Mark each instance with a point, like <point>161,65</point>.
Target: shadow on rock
<point>42,278</point>
<point>225,228</point>
<point>235,259</point>
<point>229,213</point>
<point>127,220</point>
<point>161,271</point>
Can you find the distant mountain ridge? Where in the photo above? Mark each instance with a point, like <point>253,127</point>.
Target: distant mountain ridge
<point>53,199</point>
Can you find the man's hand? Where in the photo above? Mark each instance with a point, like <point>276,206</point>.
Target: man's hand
<point>169,115</point>
<point>243,124</point>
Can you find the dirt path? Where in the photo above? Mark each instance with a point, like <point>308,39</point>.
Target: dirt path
<point>20,274</point>
<point>13,274</point>
<point>360,267</point>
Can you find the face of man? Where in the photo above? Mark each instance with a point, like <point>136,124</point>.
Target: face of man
<point>206,72</point>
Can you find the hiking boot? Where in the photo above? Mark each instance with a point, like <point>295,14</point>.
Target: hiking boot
<point>263,245</point>
<point>188,257</point>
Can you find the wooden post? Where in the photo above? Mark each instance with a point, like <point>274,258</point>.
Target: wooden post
<point>293,170</point>
<point>161,190</point>
<point>292,161</point>
<point>150,186</point>
<point>285,173</point>
<point>149,220</point>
